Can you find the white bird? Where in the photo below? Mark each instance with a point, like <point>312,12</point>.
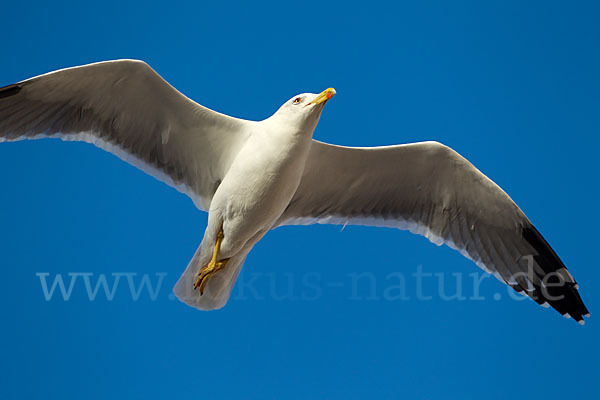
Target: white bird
<point>254,176</point>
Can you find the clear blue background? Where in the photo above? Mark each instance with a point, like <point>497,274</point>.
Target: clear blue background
<point>513,87</point>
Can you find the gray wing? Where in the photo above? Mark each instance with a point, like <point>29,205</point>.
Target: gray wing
<point>431,190</point>
<point>126,108</point>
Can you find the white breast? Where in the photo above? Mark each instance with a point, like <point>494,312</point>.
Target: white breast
<point>261,182</point>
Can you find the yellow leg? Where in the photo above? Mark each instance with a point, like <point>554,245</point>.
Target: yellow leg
<point>213,266</point>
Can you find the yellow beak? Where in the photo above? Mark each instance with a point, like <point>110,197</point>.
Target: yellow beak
<point>323,96</point>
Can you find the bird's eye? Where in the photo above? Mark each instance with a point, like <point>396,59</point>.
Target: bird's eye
<point>297,100</point>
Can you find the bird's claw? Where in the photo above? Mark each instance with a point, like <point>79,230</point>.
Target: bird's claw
<point>207,273</point>
<point>214,266</point>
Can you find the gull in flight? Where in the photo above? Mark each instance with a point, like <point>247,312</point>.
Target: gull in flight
<point>253,176</point>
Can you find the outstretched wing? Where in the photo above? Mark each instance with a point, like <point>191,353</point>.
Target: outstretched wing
<point>126,108</point>
<point>431,190</point>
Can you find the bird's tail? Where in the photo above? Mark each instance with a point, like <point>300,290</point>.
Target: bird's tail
<point>218,289</point>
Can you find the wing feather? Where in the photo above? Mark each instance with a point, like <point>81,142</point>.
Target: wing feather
<point>126,108</point>
<point>431,190</point>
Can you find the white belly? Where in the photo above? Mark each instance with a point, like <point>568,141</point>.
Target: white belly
<point>258,188</point>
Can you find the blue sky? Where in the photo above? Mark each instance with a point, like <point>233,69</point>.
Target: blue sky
<point>512,87</point>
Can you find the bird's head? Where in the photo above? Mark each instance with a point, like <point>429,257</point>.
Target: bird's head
<point>304,110</point>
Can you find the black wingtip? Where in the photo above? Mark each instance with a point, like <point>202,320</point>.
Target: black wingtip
<point>561,291</point>
<point>10,90</point>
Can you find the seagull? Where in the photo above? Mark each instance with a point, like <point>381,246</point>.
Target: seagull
<point>253,176</point>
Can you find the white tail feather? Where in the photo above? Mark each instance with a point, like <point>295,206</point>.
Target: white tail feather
<point>218,288</point>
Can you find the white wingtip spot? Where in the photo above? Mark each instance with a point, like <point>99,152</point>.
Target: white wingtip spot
<point>582,322</point>
<point>587,315</point>
<point>567,316</point>
<point>576,286</point>
<point>545,304</point>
